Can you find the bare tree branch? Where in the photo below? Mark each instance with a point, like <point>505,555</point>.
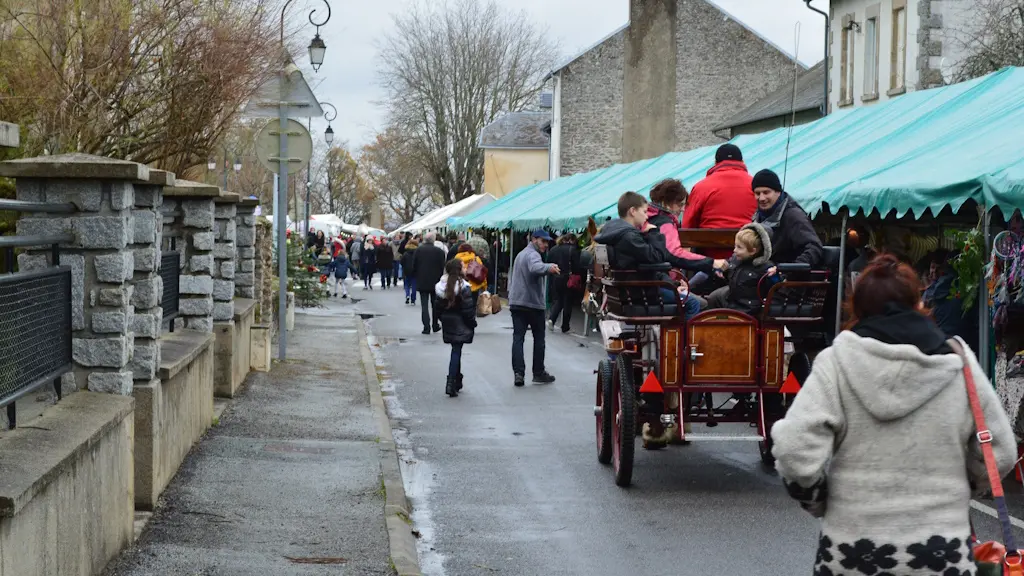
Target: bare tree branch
<point>451,69</point>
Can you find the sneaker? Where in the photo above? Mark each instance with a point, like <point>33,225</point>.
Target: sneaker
<point>551,325</point>
<point>426,331</point>
<point>543,378</point>
<point>437,327</point>
<point>344,295</point>
<point>406,301</point>
<point>520,380</point>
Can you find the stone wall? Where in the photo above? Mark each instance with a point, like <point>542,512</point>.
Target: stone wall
<point>649,80</point>
<point>191,203</point>
<point>147,319</point>
<point>723,67</point>
<point>263,273</point>
<point>225,211</point>
<point>102,265</point>
<point>592,108</point>
<point>245,255</point>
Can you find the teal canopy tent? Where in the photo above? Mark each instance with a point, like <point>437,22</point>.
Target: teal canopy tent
<point>923,151</point>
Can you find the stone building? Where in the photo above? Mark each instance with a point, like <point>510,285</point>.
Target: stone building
<point>663,82</point>
<point>881,49</point>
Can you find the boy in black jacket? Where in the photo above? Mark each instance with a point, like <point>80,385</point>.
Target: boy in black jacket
<point>750,272</point>
<point>632,248</point>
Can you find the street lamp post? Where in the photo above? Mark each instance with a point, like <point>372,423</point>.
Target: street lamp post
<point>329,138</point>
<point>317,49</point>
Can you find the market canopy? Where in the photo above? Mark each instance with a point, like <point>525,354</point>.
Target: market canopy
<point>440,216</point>
<point>926,150</point>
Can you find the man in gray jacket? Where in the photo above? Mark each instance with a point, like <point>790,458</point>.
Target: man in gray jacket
<point>526,304</point>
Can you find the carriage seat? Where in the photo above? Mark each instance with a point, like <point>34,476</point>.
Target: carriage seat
<point>635,294</point>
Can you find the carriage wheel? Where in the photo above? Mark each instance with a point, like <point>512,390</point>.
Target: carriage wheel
<point>624,422</point>
<point>607,413</point>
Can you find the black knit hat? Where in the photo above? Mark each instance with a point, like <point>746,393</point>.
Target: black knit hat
<point>766,179</point>
<point>728,152</point>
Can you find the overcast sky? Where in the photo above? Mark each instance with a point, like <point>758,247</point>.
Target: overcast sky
<point>348,78</point>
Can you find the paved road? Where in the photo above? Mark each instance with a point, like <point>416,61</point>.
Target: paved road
<point>506,481</point>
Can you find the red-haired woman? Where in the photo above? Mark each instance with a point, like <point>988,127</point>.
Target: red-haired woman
<point>880,443</point>
<point>668,198</point>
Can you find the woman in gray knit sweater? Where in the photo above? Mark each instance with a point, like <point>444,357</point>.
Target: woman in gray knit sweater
<point>880,442</point>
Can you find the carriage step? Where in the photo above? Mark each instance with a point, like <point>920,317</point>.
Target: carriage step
<point>694,437</point>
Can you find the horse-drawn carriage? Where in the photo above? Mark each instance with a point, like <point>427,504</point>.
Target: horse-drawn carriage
<point>663,371</point>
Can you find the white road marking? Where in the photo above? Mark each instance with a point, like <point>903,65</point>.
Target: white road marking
<point>995,513</point>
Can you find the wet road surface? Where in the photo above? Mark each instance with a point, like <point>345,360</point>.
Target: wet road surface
<point>506,481</point>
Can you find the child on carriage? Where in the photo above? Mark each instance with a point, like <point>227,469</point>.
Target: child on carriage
<point>751,272</point>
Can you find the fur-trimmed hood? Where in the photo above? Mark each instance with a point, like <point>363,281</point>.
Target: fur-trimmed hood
<point>766,242</point>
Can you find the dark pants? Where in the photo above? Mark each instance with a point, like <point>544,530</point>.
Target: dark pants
<point>455,363</point>
<point>385,276</point>
<point>523,318</point>
<point>410,288</point>
<point>427,298</point>
<point>368,271</point>
<point>561,302</point>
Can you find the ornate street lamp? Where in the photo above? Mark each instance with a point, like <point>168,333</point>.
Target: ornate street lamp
<point>238,164</point>
<point>329,116</point>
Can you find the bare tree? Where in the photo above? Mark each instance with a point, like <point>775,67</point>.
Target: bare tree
<point>991,38</point>
<point>157,82</point>
<point>451,68</point>
<point>396,176</point>
<point>337,187</point>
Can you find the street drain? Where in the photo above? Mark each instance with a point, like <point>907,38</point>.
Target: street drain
<point>391,340</point>
<point>368,315</point>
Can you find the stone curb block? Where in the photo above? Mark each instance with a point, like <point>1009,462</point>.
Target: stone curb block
<point>401,540</point>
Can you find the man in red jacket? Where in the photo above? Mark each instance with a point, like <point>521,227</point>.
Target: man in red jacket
<point>723,198</point>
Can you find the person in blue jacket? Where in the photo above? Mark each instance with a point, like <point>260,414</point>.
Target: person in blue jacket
<point>339,268</point>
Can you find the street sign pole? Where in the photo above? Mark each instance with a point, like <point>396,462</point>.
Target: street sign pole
<point>282,226</point>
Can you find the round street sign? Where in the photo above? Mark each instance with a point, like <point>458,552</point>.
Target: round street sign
<point>268,146</point>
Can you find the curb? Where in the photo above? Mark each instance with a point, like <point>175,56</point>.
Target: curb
<point>396,506</point>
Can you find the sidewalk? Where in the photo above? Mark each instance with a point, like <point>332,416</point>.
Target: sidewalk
<point>288,482</point>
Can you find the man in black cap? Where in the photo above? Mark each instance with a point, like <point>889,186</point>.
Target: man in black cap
<point>526,304</point>
<point>793,237</point>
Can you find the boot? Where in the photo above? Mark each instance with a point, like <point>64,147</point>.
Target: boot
<point>450,387</point>
<point>458,383</point>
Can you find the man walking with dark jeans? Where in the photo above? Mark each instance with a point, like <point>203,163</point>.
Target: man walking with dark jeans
<point>526,304</point>
<point>428,261</point>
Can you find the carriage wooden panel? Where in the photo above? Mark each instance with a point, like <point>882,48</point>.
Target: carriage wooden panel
<point>706,238</point>
<point>672,355</point>
<point>722,348</point>
<point>773,348</point>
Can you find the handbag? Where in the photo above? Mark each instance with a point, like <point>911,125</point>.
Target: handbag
<point>476,272</point>
<point>575,282</point>
<point>992,558</point>
<point>495,304</point>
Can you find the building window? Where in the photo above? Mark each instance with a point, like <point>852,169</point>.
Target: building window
<point>871,58</point>
<point>898,62</point>
<point>847,67</point>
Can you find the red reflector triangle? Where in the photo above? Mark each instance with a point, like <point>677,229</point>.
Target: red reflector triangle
<point>651,384</point>
<point>790,386</point>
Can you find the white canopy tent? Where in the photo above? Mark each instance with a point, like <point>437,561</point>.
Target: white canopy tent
<point>439,217</point>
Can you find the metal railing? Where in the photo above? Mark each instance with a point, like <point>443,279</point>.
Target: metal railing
<point>170,272</point>
<point>35,314</point>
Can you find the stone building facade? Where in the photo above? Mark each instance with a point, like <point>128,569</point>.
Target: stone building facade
<point>722,67</point>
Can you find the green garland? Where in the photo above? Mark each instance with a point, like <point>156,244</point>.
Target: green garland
<point>969,266</point>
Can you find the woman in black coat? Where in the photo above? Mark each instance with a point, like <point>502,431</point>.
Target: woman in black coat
<point>567,255</point>
<point>454,306</point>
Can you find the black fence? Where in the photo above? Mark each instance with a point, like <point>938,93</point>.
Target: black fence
<point>35,314</point>
<point>170,272</point>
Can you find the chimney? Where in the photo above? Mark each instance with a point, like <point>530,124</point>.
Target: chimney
<point>649,94</point>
